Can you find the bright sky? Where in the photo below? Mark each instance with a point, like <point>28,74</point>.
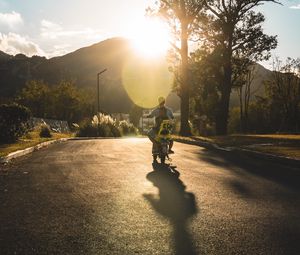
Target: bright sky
<point>56,27</point>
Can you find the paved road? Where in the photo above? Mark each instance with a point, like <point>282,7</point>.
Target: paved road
<point>105,197</point>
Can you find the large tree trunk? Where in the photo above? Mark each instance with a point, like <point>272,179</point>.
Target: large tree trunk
<point>223,107</point>
<point>223,113</point>
<point>185,129</point>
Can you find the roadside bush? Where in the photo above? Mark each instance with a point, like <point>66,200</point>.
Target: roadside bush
<point>115,131</point>
<point>127,128</point>
<point>86,129</point>
<point>102,126</point>
<point>45,131</point>
<point>14,122</point>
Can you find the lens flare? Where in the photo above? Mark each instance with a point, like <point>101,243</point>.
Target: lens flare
<point>150,37</point>
<point>146,79</point>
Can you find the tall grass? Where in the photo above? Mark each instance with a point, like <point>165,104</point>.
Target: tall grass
<point>103,125</point>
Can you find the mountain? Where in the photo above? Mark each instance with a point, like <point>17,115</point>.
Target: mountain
<point>260,74</point>
<point>80,66</point>
<point>15,71</point>
<point>4,57</point>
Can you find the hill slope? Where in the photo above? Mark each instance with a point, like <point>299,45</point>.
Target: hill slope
<point>82,67</point>
<point>261,74</point>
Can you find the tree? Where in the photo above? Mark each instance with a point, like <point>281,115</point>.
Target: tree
<point>235,30</point>
<point>284,93</point>
<point>13,122</point>
<point>245,92</point>
<point>182,16</point>
<point>63,101</point>
<point>36,96</point>
<point>205,79</point>
<point>70,103</point>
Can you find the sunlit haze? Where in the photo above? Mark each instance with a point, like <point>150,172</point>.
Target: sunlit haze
<point>56,27</point>
<point>145,79</point>
<point>150,37</point>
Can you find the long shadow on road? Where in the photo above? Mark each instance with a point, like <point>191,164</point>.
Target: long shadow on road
<point>175,204</point>
<point>267,169</point>
<point>273,193</point>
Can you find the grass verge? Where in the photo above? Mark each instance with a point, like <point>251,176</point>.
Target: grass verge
<point>277,144</point>
<point>29,140</point>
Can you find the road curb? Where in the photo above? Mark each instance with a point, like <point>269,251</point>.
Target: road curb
<point>92,138</point>
<point>29,150</point>
<point>241,151</point>
<point>103,138</point>
<point>270,157</point>
<point>19,153</point>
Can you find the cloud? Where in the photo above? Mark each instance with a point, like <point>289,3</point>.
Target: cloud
<point>59,41</point>
<point>59,50</point>
<point>13,44</point>
<point>10,20</point>
<point>50,29</point>
<point>295,7</point>
<point>53,30</point>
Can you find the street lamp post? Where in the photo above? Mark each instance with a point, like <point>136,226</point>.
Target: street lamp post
<point>98,99</point>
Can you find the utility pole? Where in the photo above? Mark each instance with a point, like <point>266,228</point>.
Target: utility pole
<point>98,90</point>
<point>98,99</point>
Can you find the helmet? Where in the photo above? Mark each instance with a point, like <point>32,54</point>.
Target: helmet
<point>161,100</point>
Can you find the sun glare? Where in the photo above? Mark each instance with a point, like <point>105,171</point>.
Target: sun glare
<point>150,38</point>
<point>145,75</point>
<point>145,79</point>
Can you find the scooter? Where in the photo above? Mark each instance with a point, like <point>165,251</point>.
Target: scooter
<point>163,140</point>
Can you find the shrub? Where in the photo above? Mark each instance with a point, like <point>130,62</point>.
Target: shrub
<point>127,128</point>
<point>102,126</point>
<point>45,131</point>
<point>14,122</point>
<point>86,129</point>
<point>115,131</point>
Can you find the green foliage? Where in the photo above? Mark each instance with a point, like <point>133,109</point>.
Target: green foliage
<point>13,122</point>
<point>259,121</point>
<point>206,79</point>
<point>63,101</point>
<point>36,95</point>
<point>71,104</point>
<point>279,109</point>
<point>232,33</point>
<point>45,131</point>
<point>283,92</point>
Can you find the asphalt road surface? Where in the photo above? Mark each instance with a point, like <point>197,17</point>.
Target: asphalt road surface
<point>106,197</point>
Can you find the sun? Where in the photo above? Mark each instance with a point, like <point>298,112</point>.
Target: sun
<point>145,74</point>
<point>150,37</point>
